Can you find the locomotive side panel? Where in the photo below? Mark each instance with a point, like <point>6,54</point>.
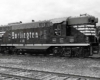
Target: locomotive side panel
<point>28,35</point>
<point>56,34</point>
<point>7,38</point>
<point>78,36</point>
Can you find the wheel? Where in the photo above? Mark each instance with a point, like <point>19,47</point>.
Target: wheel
<point>56,51</point>
<point>5,51</point>
<point>18,52</point>
<point>86,52</point>
<point>66,52</point>
<point>78,51</point>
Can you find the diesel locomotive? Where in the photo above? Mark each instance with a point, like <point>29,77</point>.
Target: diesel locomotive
<point>68,36</point>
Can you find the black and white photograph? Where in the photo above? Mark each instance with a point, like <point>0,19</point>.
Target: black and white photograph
<point>49,40</point>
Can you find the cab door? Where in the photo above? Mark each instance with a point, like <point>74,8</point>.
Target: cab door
<point>55,32</point>
<point>58,33</point>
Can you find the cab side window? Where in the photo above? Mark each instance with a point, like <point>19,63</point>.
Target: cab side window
<point>57,30</point>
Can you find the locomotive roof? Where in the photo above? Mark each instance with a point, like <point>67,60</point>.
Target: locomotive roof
<point>58,20</point>
<point>4,26</point>
<point>72,21</point>
<point>37,24</point>
<point>30,25</point>
<point>55,20</point>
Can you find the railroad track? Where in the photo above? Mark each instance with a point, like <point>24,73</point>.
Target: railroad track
<point>10,73</point>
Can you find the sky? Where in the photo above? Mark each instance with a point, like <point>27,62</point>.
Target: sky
<point>27,10</point>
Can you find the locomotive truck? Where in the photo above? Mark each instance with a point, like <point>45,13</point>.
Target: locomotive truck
<point>68,36</point>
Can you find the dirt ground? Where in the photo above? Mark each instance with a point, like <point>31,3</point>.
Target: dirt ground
<point>77,66</point>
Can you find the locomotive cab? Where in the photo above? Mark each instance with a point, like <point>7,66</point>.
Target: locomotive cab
<point>76,33</point>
